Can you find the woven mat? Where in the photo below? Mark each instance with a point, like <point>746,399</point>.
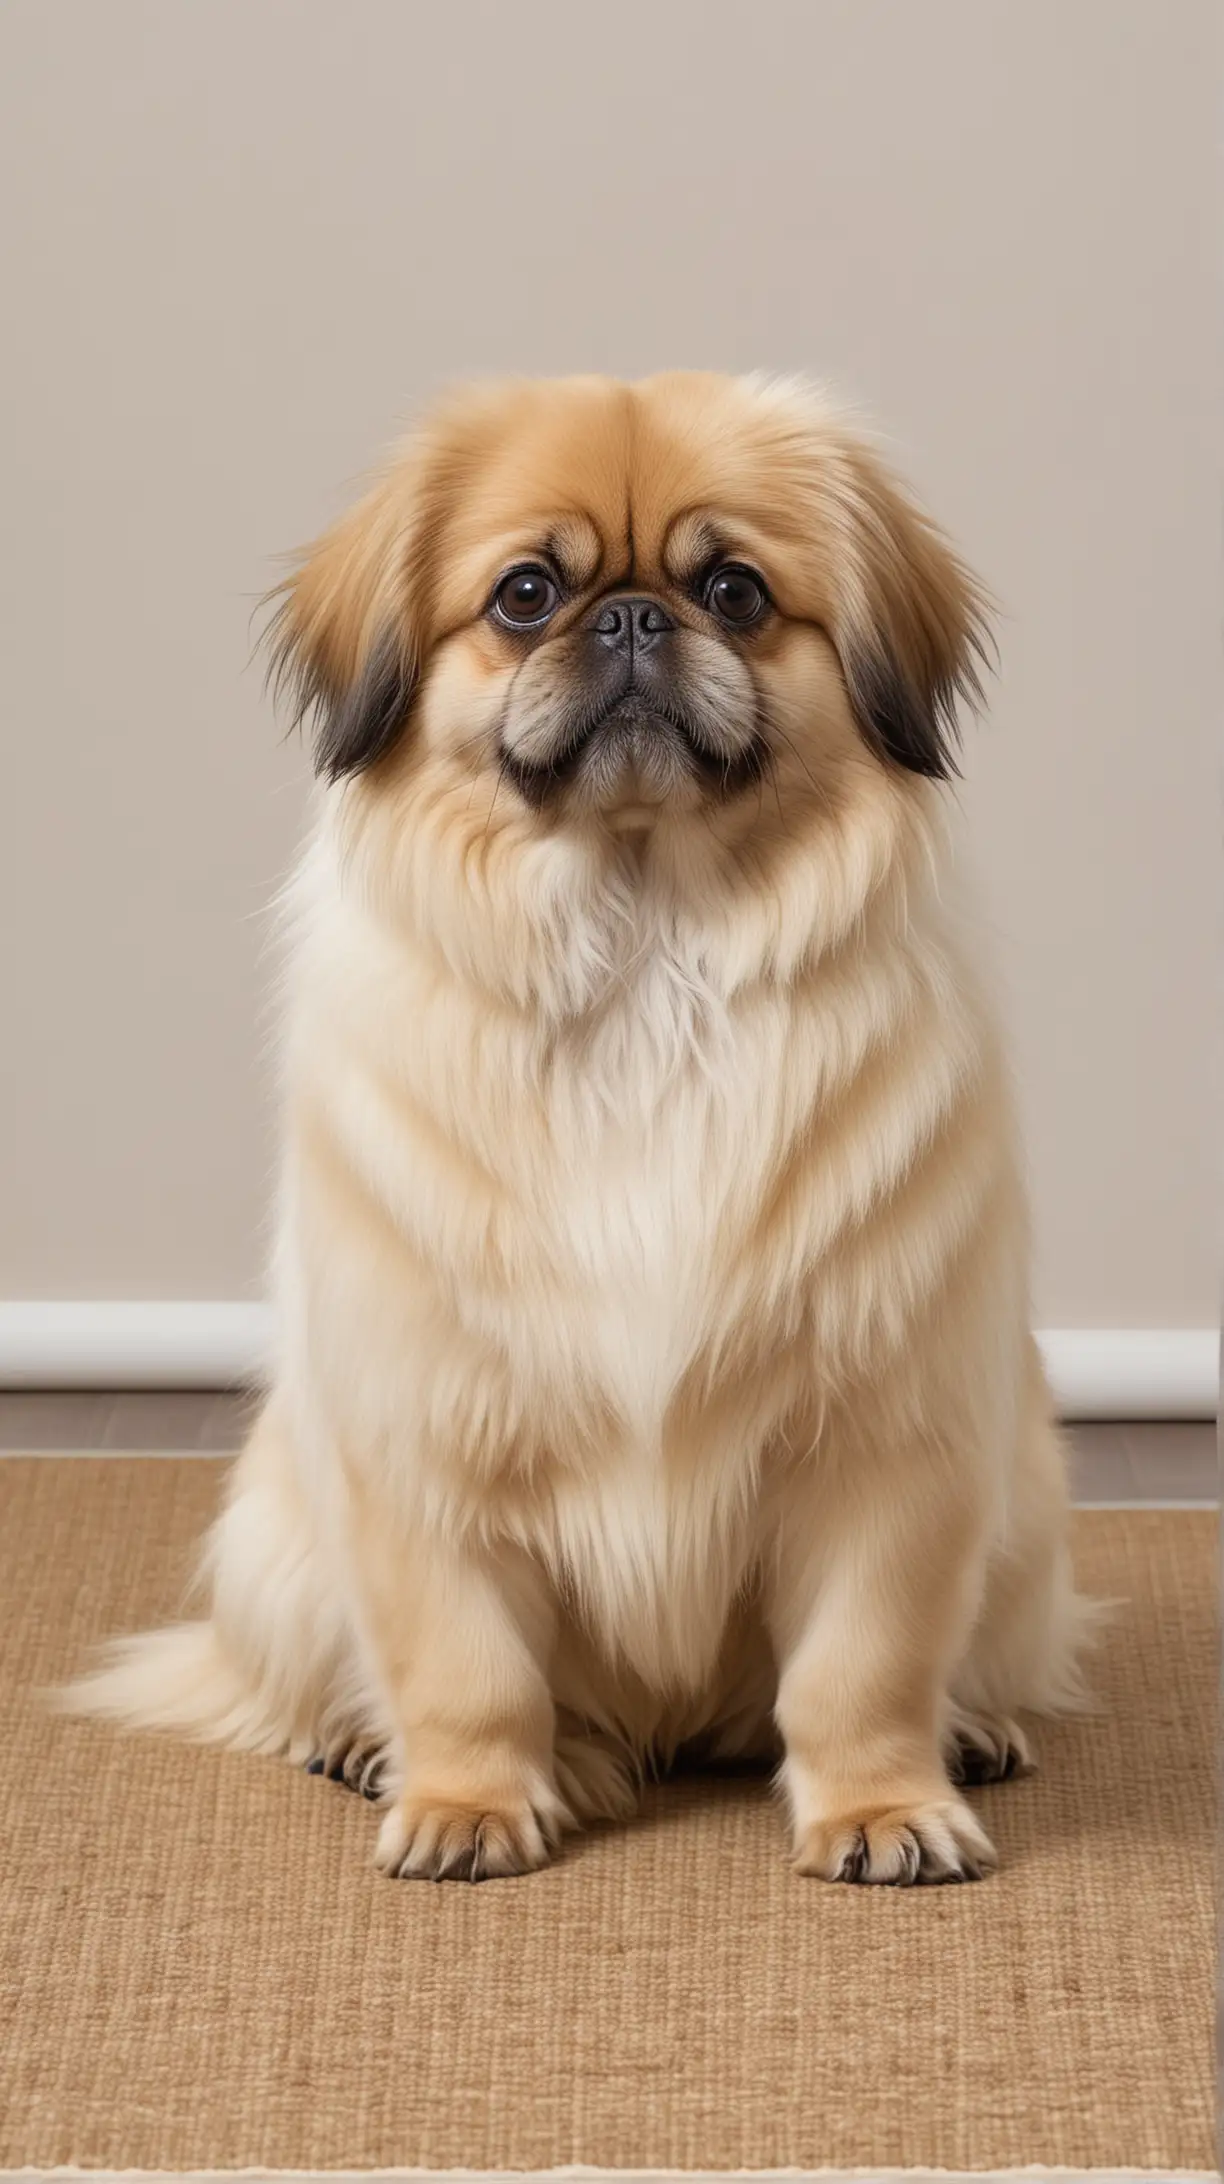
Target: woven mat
<point>200,1970</point>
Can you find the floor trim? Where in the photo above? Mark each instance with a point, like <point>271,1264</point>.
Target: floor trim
<point>1131,1372</point>
<point>103,1344</point>
<point>1150,1504</point>
<point>1096,1372</point>
<point>1185,1502</point>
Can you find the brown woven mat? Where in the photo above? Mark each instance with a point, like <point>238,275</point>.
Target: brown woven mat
<point>200,1970</point>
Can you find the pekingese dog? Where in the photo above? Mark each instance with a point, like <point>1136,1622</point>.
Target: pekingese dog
<point>655,1378</point>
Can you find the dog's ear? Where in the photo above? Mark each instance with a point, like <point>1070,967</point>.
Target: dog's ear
<point>346,636</point>
<point>910,625</point>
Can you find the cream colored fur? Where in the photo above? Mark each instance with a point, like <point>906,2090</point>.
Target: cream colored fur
<point>654,1365</point>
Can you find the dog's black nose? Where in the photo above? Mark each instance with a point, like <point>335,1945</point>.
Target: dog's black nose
<point>629,625</point>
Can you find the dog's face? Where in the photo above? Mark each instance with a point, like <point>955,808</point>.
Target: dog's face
<point>617,604</point>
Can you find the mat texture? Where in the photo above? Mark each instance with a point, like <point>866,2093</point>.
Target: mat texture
<point>199,1969</point>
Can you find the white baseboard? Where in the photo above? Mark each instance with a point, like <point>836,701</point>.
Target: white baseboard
<point>1133,1372</point>
<point>105,1345</point>
<point>1106,1372</point>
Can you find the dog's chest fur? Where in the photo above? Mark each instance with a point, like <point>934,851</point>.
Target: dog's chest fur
<point>661,1128</point>
<point>605,1203</point>
<point>637,1214</point>
<point>613,1225</point>
<point>572,1211</point>
<point>677,1131</point>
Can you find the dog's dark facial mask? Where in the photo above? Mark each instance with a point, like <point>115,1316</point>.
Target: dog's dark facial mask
<point>630,703</point>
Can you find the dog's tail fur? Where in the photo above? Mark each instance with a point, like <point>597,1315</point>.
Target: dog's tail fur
<point>176,1679</point>
<point>271,1663</point>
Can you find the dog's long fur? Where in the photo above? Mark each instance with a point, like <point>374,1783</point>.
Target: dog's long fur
<point>655,1371</point>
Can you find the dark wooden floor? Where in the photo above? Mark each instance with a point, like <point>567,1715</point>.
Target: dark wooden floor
<point>166,1421</point>
<point>1145,1462</point>
<point>1152,1463</point>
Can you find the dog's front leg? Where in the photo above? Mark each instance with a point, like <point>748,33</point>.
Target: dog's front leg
<point>872,1592</point>
<point>459,1636</point>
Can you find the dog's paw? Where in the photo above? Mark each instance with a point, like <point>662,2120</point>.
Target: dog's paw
<point>987,1748</point>
<point>360,1766</point>
<point>425,1841</point>
<point>898,1845</point>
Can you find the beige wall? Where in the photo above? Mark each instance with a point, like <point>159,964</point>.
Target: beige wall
<point>243,236</point>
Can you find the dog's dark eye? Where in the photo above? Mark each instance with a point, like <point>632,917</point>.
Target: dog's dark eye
<point>525,597</point>
<point>736,596</point>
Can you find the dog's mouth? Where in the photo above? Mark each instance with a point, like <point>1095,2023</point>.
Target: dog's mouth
<point>636,750</point>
